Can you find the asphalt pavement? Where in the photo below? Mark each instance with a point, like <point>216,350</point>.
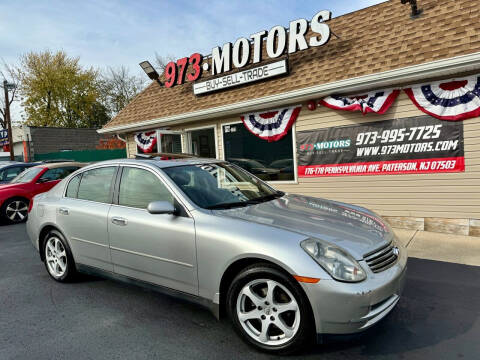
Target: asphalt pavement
<point>437,318</point>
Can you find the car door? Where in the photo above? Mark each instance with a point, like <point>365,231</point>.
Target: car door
<point>159,249</point>
<point>82,215</point>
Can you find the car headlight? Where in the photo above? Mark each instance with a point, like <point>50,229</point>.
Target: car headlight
<point>339,264</point>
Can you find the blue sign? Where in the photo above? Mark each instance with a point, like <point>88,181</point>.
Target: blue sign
<point>3,137</point>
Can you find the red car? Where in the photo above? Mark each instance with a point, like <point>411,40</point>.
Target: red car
<point>15,196</point>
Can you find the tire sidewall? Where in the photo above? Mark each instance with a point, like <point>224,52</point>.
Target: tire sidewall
<point>264,271</point>
<point>70,271</point>
<point>4,210</point>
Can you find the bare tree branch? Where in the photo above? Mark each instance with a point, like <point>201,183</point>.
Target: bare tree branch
<point>162,61</point>
<point>12,75</point>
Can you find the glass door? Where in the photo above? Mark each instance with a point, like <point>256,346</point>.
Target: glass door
<point>201,143</point>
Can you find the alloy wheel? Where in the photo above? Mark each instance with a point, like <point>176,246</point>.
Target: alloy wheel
<point>56,257</point>
<point>268,312</point>
<point>16,211</point>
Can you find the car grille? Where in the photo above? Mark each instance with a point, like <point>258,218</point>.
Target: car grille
<point>383,258</point>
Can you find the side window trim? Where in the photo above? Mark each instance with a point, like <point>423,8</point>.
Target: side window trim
<point>80,175</point>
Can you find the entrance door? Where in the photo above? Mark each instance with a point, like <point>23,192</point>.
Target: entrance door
<point>202,142</point>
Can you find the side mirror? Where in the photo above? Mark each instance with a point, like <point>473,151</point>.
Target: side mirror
<point>161,207</point>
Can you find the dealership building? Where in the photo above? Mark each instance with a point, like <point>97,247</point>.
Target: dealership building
<point>379,108</point>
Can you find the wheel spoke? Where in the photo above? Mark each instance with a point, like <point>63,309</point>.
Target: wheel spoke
<point>263,337</point>
<point>20,215</point>
<point>50,247</point>
<point>291,306</point>
<point>58,245</point>
<point>254,314</point>
<point>61,265</point>
<point>270,287</point>
<point>288,331</point>
<point>257,300</point>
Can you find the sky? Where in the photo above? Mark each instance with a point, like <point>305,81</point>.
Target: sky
<point>114,32</point>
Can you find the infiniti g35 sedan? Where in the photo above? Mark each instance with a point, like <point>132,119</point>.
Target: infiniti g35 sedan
<point>283,267</point>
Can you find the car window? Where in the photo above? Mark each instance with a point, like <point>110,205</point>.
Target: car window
<point>27,175</point>
<point>10,173</point>
<point>139,187</point>
<point>72,188</point>
<point>220,185</point>
<point>58,173</point>
<point>96,184</point>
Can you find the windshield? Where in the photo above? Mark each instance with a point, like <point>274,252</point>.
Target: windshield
<point>27,175</point>
<point>220,186</point>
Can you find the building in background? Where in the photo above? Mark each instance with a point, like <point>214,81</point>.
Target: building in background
<point>47,143</point>
<point>408,147</point>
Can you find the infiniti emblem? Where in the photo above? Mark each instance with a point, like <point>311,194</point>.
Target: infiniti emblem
<point>396,251</point>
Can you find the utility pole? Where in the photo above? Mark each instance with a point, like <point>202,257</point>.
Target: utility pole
<point>8,121</point>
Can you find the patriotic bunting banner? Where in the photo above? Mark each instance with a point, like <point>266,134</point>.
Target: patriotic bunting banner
<point>378,102</point>
<point>271,125</point>
<point>146,141</point>
<point>452,100</point>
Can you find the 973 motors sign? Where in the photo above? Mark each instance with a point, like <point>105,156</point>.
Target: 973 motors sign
<point>402,146</point>
<point>249,51</point>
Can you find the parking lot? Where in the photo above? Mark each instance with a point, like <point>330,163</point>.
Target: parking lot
<point>438,317</point>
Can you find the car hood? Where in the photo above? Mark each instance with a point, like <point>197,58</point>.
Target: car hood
<point>354,229</point>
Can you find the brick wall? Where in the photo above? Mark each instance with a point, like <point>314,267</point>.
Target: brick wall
<point>46,140</point>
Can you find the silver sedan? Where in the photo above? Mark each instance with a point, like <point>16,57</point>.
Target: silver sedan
<point>283,267</point>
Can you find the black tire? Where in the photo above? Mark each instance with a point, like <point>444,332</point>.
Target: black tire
<point>305,333</point>
<point>16,203</point>
<point>69,273</point>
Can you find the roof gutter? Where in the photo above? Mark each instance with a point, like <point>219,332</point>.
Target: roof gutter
<point>414,73</point>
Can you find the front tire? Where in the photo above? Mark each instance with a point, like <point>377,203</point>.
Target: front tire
<point>269,309</point>
<point>58,257</point>
<point>15,210</point>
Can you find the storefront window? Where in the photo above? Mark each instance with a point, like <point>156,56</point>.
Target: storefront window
<point>171,143</point>
<point>270,161</point>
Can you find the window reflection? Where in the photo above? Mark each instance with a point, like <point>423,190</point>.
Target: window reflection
<point>269,161</point>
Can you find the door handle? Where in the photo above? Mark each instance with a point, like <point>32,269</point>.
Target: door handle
<point>119,221</point>
<point>63,211</point>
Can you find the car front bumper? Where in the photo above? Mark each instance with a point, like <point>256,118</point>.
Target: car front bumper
<point>346,308</point>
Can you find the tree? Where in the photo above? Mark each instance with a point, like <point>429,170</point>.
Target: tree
<point>117,88</point>
<point>59,92</point>
<point>162,61</point>
<point>9,73</point>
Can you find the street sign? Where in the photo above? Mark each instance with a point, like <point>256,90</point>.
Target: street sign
<point>3,137</point>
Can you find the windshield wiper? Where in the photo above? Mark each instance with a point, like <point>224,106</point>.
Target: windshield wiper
<point>227,205</point>
<point>254,201</point>
<point>266,198</point>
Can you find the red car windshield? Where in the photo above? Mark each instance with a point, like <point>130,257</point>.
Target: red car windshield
<point>27,176</point>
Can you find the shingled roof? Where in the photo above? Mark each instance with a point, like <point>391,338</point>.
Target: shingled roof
<point>376,39</point>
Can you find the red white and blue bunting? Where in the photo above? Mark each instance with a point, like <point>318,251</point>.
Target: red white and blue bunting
<point>452,100</point>
<point>271,125</point>
<point>378,102</point>
<point>146,141</point>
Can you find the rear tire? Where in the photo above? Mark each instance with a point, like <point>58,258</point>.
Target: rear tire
<point>14,210</point>
<point>58,257</point>
<point>270,310</point>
